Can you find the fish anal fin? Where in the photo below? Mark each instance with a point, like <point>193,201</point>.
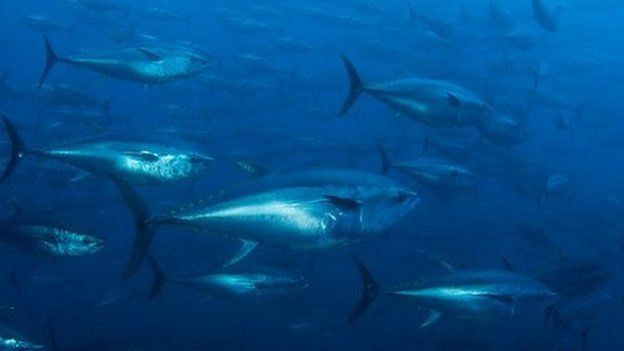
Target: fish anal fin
<point>453,99</point>
<point>432,318</point>
<point>246,248</point>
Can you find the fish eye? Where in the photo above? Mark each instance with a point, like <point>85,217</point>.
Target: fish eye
<point>401,197</point>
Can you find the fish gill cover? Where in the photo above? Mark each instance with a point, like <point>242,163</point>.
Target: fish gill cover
<point>334,175</point>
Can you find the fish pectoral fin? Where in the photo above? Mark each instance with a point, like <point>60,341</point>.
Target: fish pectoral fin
<point>344,202</point>
<point>149,54</point>
<point>246,248</point>
<point>453,99</point>
<point>433,317</point>
<point>143,155</point>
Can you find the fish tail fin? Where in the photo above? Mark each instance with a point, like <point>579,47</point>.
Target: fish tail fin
<point>51,59</point>
<point>355,86</point>
<point>18,149</point>
<point>144,226</point>
<point>370,291</point>
<point>159,279</point>
<point>106,104</point>
<point>386,164</point>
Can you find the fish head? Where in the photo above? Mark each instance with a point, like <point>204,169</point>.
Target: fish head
<point>79,244</point>
<point>384,208</point>
<point>21,345</point>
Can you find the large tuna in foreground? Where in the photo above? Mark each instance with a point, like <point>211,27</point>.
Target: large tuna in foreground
<point>310,210</point>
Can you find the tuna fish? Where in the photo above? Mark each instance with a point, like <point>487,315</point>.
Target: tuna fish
<point>226,286</point>
<point>44,239</point>
<point>12,341</point>
<point>138,163</point>
<point>311,210</point>
<point>438,174</point>
<point>470,294</point>
<point>145,65</point>
<point>432,102</point>
<point>45,25</point>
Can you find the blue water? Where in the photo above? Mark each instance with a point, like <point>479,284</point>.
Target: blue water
<point>531,95</point>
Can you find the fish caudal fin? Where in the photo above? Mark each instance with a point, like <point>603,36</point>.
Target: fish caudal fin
<point>143,226</point>
<point>51,59</point>
<point>159,279</point>
<point>370,291</point>
<point>386,164</point>
<point>18,149</point>
<point>355,86</point>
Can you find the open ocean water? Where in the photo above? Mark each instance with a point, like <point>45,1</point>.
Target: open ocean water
<point>311,175</point>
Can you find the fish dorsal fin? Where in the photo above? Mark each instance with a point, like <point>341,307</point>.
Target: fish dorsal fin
<point>453,99</point>
<point>149,54</point>
<point>143,155</point>
<point>246,248</point>
<point>433,317</point>
<point>344,202</point>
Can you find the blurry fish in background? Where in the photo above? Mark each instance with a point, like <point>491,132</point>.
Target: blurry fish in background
<point>438,174</point>
<point>160,14</point>
<point>72,96</point>
<point>104,6</point>
<point>485,295</point>
<point>10,340</point>
<point>31,235</point>
<point>230,285</point>
<point>42,24</point>
<point>145,65</point>
<point>546,16</point>
<point>435,103</point>
<point>559,186</point>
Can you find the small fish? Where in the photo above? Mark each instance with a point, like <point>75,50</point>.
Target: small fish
<point>41,238</point>
<point>470,294</point>
<point>145,65</point>
<point>432,102</point>
<point>12,341</point>
<point>224,285</point>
